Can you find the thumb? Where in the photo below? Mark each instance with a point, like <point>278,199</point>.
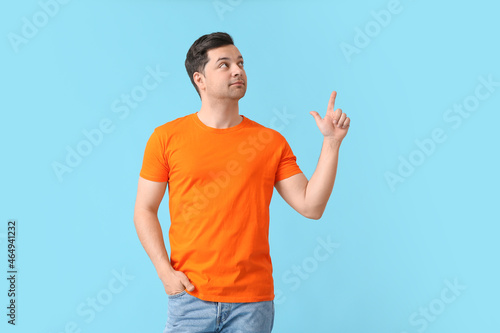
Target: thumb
<point>185,281</point>
<point>316,115</point>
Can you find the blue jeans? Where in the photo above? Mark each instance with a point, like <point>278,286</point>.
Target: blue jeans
<point>189,314</point>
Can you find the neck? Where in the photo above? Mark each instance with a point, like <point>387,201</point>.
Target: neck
<point>220,114</point>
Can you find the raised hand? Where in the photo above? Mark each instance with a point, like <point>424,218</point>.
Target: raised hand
<point>335,124</point>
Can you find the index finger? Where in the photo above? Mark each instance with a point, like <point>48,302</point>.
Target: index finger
<point>331,103</point>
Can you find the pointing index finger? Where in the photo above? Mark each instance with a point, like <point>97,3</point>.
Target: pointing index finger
<point>331,103</point>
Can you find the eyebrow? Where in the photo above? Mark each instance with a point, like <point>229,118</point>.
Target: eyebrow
<point>226,58</point>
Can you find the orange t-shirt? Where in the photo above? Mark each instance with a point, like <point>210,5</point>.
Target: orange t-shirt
<point>220,184</point>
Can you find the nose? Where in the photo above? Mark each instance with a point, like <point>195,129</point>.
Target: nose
<point>237,70</point>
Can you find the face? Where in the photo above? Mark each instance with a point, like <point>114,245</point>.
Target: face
<point>224,77</point>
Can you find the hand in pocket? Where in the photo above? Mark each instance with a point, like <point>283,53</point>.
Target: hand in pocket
<point>175,282</point>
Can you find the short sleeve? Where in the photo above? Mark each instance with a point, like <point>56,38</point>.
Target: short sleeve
<point>288,164</point>
<point>154,164</point>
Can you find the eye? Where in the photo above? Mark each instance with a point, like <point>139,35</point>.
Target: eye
<point>241,63</point>
<point>222,64</point>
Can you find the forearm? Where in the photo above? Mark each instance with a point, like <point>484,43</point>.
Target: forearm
<point>150,234</point>
<point>320,186</point>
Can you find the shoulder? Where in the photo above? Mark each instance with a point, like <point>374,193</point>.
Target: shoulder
<point>265,133</point>
<point>173,125</point>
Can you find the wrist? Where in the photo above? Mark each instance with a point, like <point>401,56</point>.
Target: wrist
<point>165,271</point>
<point>333,142</point>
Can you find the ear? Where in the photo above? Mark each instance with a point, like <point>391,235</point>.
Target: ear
<point>199,79</point>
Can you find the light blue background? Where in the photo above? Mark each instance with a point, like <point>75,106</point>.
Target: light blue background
<point>397,248</point>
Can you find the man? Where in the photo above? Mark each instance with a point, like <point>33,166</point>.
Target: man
<point>220,168</point>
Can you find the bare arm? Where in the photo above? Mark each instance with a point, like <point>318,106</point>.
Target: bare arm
<point>320,186</point>
<point>149,196</point>
<point>309,198</point>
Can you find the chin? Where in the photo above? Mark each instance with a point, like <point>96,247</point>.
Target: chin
<point>238,95</point>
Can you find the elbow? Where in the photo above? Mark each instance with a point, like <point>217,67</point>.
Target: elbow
<point>313,210</point>
<point>313,215</point>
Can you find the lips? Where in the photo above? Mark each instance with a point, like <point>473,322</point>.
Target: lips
<point>237,82</point>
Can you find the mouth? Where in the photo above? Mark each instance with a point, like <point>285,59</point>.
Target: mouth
<point>237,83</point>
